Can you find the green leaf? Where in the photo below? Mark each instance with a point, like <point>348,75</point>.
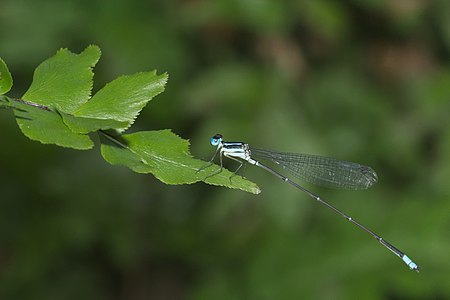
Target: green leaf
<point>166,156</point>
<point>123,98</point>
<point>5,78</point>
<point>41,124</point>
<point>64,81</point>
<point>86,125</point>
<point>4,102</point>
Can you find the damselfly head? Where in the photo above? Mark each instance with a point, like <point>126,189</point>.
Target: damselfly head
<point>216,139</point>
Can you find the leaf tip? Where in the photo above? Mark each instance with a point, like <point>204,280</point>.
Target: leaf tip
<point>6,81</point>
<point>93,50</point>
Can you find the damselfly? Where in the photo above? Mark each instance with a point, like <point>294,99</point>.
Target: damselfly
<point>318,170</point>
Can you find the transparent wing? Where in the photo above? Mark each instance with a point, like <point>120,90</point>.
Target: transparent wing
<point>321,170</point>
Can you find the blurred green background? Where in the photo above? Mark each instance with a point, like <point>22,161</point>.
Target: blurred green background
<point>361,80</point>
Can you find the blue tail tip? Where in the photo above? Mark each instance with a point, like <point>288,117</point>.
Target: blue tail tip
<point>412,265</point>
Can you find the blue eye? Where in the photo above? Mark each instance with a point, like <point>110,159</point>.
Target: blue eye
<point>216,139</point>
<point>214,142</point>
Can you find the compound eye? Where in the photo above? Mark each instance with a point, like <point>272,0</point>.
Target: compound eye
<point>215,141</point>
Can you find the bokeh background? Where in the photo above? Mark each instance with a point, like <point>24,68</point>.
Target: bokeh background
<point>361,80</point>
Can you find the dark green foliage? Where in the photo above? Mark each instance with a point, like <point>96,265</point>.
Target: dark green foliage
<point>359,80</point>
